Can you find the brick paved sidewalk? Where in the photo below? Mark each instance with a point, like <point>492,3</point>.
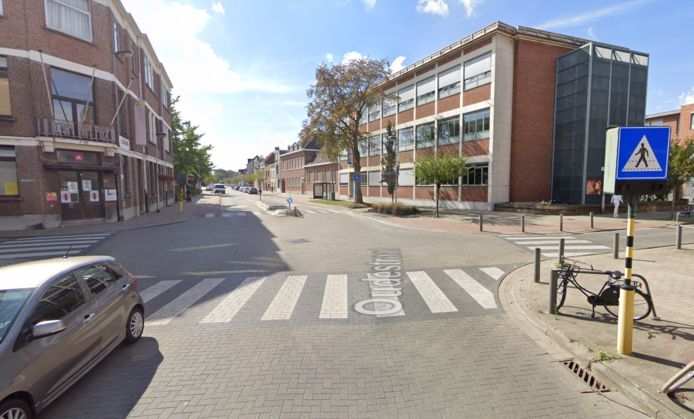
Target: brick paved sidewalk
<point>661,347</point>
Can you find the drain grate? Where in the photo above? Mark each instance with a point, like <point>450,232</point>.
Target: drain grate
<point>585,375</point>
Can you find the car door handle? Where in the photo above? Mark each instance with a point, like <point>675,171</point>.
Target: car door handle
<point>88,318</point>
<point>125,287</point>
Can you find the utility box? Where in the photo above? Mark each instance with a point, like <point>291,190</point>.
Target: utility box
<point>636,160</point>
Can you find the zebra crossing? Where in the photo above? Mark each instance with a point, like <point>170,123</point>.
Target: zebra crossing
<point>549,245</point>
<point>230,214</point>
<point>317,297</point>
<point>314,210</point>
<point>49,246</point>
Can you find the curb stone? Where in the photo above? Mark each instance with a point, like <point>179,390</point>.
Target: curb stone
<point>603,371</point>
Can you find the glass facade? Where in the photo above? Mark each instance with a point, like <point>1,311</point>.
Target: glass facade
<point>596,87</point>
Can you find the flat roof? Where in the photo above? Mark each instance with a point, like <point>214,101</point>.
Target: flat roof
<point>661,114</point>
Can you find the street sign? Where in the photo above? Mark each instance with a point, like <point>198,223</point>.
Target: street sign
<point>642,153</point>
<point>356,177</point>
<point>290,200</point>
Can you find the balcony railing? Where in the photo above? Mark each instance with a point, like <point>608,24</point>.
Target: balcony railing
<point>49,127</point>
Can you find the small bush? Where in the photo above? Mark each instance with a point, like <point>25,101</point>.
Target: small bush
<point>397,209</point>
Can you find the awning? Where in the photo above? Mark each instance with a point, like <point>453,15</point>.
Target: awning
<point>90,167</point>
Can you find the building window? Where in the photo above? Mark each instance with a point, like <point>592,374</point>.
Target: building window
<point>476,175</point>
<point>375,145</point>
<point>72,96</point>
<point>164,95</point>
<point>8,172</point>
<point>375,112</point>
<point>691,123</point>
<point>425,135</point>
<point>115,37</point>
<point>449,130</point>
<point>125,174</point>
<point>478,71</point>
<point>1,10</point>
<point>5,104</point>
<point>134,63</point>
<point>374,178</point>
<point>363,148</point>
<point>476,125</point>
<point>166,140</point>
<point>406,98</point>
<point>72,17</point>
<point>426,91</point>
<point>405,177</point>
<point>406,139</point>
<point>389,106</point>
<point>149,73</point>
<point>449,82</point>
<point>364,117</point>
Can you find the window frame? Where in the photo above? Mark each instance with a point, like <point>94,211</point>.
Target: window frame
<point>691,121</point>
<point>2,9</point>
<point>478,135</point>
<point>451,88</point>
<point>116,38</point>
<point>444,122</point>
<point>428,96</point>
<point>376,114</point>
<point>74,102</point>
<point>409,103</point>
<point>411,146</point>
<point>12,158</point>
<point>4,75</point>
<point>79,273</point>
<point>389,107</point>
<point>73,8</point>
<point>479,79</point>
<point>370,143</point>
<point>483,169</point>
<point>432,141</point>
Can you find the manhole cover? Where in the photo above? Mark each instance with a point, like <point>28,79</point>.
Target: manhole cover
<point>585,375</point>
<point>299,241</point>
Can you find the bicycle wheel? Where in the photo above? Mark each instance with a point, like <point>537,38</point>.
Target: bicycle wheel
<point>642,306</point>
<point>561,292</point>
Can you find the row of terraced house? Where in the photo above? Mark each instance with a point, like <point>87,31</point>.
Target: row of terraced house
<point>85,123</point>
<point>527,108</point>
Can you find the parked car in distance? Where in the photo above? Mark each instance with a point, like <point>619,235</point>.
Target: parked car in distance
<point>236,187</point>
<point>58,319</point>
<point>220,188</point>
<point>209,187</point>
<point>253,191</point>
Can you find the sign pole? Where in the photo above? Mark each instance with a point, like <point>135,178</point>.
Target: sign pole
<point>625,322</point>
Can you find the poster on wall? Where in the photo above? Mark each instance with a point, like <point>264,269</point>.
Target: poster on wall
<point>51,197</point>
<point>86,185</point>
<point>110,195</point>
<point>93,196</point>
<point>593,187</point>
<point>72,187</point>
<point>65,197</point>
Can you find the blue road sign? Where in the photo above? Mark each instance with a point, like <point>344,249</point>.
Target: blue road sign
<point>356,177</point>
<point>290,200</point>
<point>643,153</point>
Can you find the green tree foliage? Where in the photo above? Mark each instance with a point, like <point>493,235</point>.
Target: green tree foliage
<point>437,171</point>
<point>189,155</point>
<point>389,163</point>
<point>681,167</point>
<point>339,99</point>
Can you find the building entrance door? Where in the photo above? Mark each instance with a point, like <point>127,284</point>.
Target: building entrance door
<point>80,195</point>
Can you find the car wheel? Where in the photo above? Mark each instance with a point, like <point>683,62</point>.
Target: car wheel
<point>15,409</point>
<point>134,326</point>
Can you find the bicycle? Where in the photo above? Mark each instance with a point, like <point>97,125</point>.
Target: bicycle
<point>608,296</point>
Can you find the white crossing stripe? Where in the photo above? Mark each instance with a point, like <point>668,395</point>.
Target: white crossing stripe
<point>309,211</point>
<point>479,293</point>
<point>494,272</point>
<point>549,245</point>
<point>61,244</point>
<point>49,241</point>
<point>157,289</point>
<point>536,237</point>
<point>231,304</point>
<point>554,242</point>
<point>38,254</point>
<point>570,247</point>
<point>209,215</point>
<point>227,215</point>
<point>241,214</point>
<point>283,304</point>
<point>74,237</point>
<point>431,294</point>
<point>34,248</point>
<point>335,302</point>
<point>567,254</point>
<point>167,313</point>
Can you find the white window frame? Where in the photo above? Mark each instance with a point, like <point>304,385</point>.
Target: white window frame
<point>116,37</point>
<point>374,178</point>
<point>1,9</point>
<point>149,73</point>
<point>390,107</point>
<point>408,102</point>
<point>477,135</point>
<point>476,78</point>
<point>375,112</point>
<point>431,126</point>
<point>75,9</point>
<point>373,139</point>
<point>411,145</point>
<point>426,91</point>
<point>449,88</point>
<point>451,139</point>
<point>691,121</point>
<point>406,177</point>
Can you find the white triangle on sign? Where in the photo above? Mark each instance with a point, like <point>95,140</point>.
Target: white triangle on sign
<point>642,159</point>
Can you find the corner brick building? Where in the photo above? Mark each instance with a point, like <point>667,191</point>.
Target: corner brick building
<point>490,97</point>
<point>85,124</point>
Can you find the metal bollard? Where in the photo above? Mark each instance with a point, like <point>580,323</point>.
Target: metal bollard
<point>561,250</point>
<point>615,246</point>
<point>481,223</point>
<point>561,222</point>
<point>553,279</point>
<point>678,237</point>
<point>592,224</point>
<point>537,264</point>
<point>522,223</point>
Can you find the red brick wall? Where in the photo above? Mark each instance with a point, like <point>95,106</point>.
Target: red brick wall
<point>425,110</point>
<point>474,193</point>
<point>686,121</point>
<point>374,125</point>
<point>405,156</point>
<point>476,148</point>
<point>449,103</point>
<point>531,144</point>
<point>478,94</point>
<point>447,149</point>
<point>405,116</point>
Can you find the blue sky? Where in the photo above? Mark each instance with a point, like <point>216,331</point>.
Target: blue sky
<point>242,67</point>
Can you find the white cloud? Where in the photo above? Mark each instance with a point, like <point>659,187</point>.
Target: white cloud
<point>369,4</point>
<point>329,58</point>
<point>218,8</point>
<point>687,98</point>
<point>434,7</point>
<point>396,65</point>
<point>470,6</point>
<point>591,15</point>
<point>590,33</point>
<point>351,56</point>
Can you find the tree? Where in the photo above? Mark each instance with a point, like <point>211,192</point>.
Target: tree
<point>446,168</point>
<point>681,167</point>
<point>339,100</point>
<point>189,155</point>
<point>389,163</point>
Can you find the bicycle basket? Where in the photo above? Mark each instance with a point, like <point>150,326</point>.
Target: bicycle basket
<point>610,296</point>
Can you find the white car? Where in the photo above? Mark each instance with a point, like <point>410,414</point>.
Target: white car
<point>220,188</point>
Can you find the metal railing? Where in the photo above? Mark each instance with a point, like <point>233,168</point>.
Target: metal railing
<point>49,127</point>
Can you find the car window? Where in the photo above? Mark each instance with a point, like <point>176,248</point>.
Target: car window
<point>11,302</point>
<point>61,299</point>
<point>98,277</point>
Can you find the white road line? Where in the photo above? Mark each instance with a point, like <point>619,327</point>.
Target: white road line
<point>556,242</point>
<point>227,215</point>
<point>479,293</point>
<point>494,272</point>
<point>539,238</point>
<point>310,211</point>
<point>431,294</point>
<point>209,215</point>
<point>567,254</point>
<point>335,302</point>
<point>65,244</point>
<point>231,304</point>
<point>79,236</point>
<point>35,248</point>
<point>76,240</point>
<point>570,247</point>
<point>157,289</point>
<point>241,214</point>
<point>38,254</point>
<point>167,313</point>
<point>282,305</point>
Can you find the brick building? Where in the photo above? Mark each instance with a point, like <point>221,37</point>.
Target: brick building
<point>490,97</point>
<point>84,114</point>
<point>321,176</point>
<point>292,175</point>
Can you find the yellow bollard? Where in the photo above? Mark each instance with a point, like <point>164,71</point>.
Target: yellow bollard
<point>180,202</point>
<point>625,322</point>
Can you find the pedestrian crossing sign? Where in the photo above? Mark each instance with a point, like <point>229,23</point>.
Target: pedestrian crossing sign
<point>642,153</point>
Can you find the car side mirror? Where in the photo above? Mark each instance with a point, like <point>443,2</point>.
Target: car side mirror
<point>47,328</point>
